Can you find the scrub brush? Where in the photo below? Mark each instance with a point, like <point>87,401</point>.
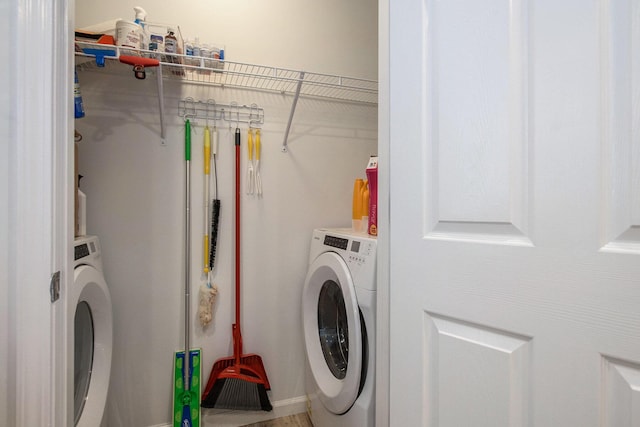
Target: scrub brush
<point>215,205</point>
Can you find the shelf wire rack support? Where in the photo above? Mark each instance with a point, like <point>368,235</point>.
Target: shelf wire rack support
<point>293,110</point>
<point>163,141</point>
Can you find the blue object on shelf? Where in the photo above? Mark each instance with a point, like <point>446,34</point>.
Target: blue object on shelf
<point>100,54</point>
<point>77,98</point>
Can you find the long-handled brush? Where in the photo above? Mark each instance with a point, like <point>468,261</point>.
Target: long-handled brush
<point>239,381</point>
<point>186,393</point>
<point>215,208</point>
<point>207,293</point>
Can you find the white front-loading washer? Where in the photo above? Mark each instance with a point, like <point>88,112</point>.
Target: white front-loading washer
<point>92,332</point>
<point>339,316</point>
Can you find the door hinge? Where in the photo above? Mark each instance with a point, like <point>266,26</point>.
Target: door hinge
<point>54,288</point>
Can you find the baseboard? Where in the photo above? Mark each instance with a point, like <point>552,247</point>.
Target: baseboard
<point>226,418</point>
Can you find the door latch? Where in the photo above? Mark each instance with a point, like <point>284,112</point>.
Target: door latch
<point>54,288</point>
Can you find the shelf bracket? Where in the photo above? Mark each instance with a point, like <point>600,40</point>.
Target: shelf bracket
<point>293,110</point>
<point>163,142</point>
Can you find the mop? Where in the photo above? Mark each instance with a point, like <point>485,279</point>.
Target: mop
<point>186,375</point>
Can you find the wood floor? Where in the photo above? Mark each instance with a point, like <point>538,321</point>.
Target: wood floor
<point>298,420</point>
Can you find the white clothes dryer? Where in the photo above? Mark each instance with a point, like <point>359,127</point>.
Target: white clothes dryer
<point>339,317</point>
<point>92,315</point>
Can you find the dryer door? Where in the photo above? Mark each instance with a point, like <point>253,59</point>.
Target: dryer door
<point>332,332</point>
<point>92,337</point>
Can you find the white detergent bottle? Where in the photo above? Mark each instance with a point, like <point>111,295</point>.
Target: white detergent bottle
<point>82,214</point>
<point>131,33</point>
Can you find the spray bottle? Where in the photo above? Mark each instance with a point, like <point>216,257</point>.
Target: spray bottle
<point>77,98</point>
<point>141,16</point>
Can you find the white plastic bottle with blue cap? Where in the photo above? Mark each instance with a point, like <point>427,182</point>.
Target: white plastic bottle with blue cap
<point>141,17</point>
<point>132,33</point>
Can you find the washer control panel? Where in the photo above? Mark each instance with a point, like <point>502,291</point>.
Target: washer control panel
<point>336,242</point>
<point>86,250</point>
<point>356,250</point>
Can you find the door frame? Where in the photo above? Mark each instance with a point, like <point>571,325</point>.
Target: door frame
<point>383,349</point>
<point>46,233</point>
<point>40,202</point>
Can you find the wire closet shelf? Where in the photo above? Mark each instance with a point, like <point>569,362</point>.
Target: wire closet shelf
<point>233,74</point>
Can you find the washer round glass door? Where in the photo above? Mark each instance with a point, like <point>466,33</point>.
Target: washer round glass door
<point>93,336</point>
<point>82,357</point>
<point>332,332</point>
<point>333,328</point>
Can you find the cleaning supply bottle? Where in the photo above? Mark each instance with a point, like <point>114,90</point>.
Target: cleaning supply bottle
<point>188,51</point>
<point>141,16</point>
<point>131,33</point>
<point>372,177</point>
<point>197,54</point>
<point>77,98</point>
<point>197,48</point>
<point>365,206</point>
<point>82,213</point>
<point>356,206</point>
<point>171,45</point>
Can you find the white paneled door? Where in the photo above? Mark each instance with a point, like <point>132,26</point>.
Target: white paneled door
<point>515,213</point>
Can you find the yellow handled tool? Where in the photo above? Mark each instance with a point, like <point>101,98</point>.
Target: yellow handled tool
<point>258,179</point>
<point>207,171</point>
<point>250,176</point>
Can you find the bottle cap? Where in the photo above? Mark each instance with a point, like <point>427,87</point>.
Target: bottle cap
<point>141,14</point>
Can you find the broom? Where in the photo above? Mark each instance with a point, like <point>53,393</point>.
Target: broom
<point>240,381</point>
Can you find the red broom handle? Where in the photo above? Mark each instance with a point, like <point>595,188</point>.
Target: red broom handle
<point>237,337</point>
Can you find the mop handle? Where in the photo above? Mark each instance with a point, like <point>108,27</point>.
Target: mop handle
<point>187,278</point>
